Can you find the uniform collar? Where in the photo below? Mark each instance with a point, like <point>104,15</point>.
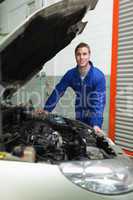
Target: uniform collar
<point>90,67</point>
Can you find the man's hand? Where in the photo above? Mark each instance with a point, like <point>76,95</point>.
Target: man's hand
<point>98,130</point>
<point>41,111</point>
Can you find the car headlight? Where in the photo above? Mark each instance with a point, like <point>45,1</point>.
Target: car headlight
<point>110,176</point>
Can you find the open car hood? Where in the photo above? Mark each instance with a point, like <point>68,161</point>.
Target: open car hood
<point>1,1</point>
<point>24,51</point>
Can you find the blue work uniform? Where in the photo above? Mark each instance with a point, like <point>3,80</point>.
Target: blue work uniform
<point>90,95</point>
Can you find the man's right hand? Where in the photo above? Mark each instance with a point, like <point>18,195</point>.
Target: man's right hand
<point>41,111</point>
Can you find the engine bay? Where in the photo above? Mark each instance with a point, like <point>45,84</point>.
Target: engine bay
<point>54,138</point>
<point>22,55</point>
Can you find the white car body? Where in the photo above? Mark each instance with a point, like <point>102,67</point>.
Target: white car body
<point>66,179</point>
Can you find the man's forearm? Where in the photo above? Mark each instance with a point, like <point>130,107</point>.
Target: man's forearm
<point>52,101</point>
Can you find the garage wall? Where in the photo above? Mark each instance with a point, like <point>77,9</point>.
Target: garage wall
<point>121,107</point>
<point>97,33</point>
<point>124,98</point>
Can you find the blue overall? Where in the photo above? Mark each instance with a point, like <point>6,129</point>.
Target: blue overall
<point>90,95</point>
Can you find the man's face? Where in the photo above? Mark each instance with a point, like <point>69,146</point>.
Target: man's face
<point>82,57</point>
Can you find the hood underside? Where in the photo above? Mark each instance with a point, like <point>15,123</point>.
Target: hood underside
<point>24,52</point>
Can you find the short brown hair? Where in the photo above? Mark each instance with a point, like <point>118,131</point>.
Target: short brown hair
<point>82,44</point>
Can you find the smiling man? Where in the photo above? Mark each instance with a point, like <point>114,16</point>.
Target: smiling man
<point>88,83</point>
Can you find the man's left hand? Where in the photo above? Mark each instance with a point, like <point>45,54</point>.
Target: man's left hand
<point>98,130</point>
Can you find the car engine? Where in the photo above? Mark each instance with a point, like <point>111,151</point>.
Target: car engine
<point>53,137</point>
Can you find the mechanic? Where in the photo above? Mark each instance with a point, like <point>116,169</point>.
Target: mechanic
<point>89,85</point>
